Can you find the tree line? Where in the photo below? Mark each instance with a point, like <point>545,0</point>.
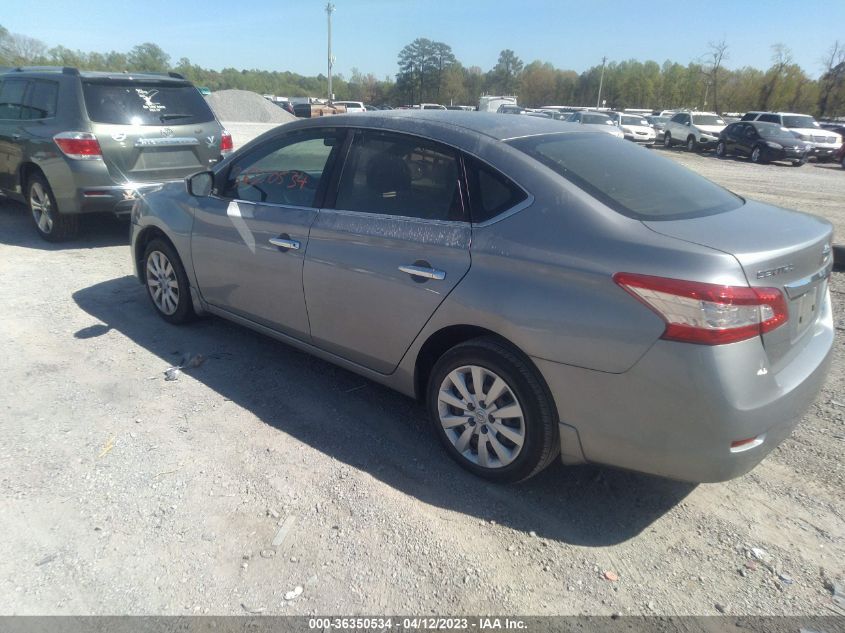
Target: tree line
<point>428,71</point>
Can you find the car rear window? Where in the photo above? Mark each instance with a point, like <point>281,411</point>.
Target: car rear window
<point>135,103</point>
<point>632,180</point>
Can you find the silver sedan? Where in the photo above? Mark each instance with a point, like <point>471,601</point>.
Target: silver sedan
<point>546,290</point>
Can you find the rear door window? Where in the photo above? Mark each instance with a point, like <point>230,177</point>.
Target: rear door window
<point>11,98</point>
<point>769,118</point>
<point>147,103</point>
<point>629,179</point>
<point>397,174</point>
<point>41,100</point>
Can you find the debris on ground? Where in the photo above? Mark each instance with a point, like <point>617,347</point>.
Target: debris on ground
<point>106,449</point>
<point>292,595</point>
<point>252,609</point>
<point>268,553</point>
<point>172,373</point>
<point>612,576</point>
<point>47,559</point>
<point>283,532</point>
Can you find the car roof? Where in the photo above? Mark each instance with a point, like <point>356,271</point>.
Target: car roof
<point>437,123</point>
<point>46,71</point>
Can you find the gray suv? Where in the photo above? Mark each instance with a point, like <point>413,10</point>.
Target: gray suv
<point>75,142</point>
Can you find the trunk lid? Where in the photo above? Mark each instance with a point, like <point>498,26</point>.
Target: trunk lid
<point>151,130</point>
<point>776,248</point>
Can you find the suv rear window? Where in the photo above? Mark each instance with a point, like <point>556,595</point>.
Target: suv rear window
<point>630,180</point>
<point>135,103</point>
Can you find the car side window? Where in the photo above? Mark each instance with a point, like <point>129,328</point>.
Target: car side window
<point>750,132</point>
<point>769,118</point>
<point>397,174</point>
<point>490,192</point>
<point>11,98</point>
<point>41,100</point>
<point>678,118</point>
<point>286,171</point>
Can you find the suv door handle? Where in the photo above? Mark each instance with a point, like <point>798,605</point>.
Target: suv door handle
<point>422,271</point>
<point>285,243</point>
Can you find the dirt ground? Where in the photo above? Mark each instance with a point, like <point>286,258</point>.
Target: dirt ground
<point>265,470</point>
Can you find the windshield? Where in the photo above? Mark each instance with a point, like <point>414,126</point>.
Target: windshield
<point>629,179</point>
<point>775,131</point>
<point>707,119</point>
<point>134,103</point>
<point>634,120</point>
<point>800,120</point>
<point>596,118</point>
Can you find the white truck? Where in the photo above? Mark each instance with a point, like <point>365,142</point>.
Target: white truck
<point>491,103</point>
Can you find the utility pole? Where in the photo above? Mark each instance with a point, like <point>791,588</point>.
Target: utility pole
<point>329,11</point>
<point>601,82</point>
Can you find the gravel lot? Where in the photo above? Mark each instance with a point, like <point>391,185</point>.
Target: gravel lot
<point>265,470</point>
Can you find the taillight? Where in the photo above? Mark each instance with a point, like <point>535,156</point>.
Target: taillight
<point>79,145</point>
<point>708,314</point>
<point>226,143</point>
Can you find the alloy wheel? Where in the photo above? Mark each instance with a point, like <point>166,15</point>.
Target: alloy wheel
<point>481,416</point>
<point>42,207</point>
<point>755,155</point>
<point>162,283</point>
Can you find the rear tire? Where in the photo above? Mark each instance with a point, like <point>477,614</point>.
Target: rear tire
<point>51,224</point>
<point>507,448</point>
<point>167,283</point>
<point>667,140</point>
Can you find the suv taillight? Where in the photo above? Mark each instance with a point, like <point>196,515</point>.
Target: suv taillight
<point>79,145</point>
<point>226,143</point>
<point>708,314</point>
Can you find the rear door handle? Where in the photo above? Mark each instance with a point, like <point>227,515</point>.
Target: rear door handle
<point>285,243</point>
<point>425,273</point>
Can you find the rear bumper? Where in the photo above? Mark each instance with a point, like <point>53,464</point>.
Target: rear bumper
<point>677,411</point>
<point>112,199</point>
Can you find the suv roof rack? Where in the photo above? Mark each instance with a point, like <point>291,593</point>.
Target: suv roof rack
<point>66,70</point>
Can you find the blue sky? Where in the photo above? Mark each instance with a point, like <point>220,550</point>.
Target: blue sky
<point>368,34</point>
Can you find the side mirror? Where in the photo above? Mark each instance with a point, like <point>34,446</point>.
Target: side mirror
<point>688,123</point>
<point>201,184</point>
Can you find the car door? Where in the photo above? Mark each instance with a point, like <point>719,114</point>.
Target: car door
<point>250,236</point>
<point>12,94</point>
<point>748,140</point>
<point>733,136</point>
<point>393,246</point>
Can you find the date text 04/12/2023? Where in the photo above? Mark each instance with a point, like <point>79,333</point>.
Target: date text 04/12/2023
<point>416,623</point>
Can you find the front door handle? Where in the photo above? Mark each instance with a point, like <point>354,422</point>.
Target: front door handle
<point>285,243</point>
<point>424,272</point>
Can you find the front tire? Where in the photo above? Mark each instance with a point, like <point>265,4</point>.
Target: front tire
<point>757,156</point>
<point>721,149</point>
<point>51,224</point>
<point>492,411</point>
<point>167,283</point>
<point>692,144</point>
<point>667,140</point>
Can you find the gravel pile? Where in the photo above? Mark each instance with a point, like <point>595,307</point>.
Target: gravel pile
<point>243,105</point>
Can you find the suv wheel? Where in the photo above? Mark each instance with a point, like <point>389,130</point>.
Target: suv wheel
<point>51,224</point>
<point>667,140</point>
<point>492,411</point>
<point>692,144</point>
<point>167,283</point>
<point>843,162</point>
<point>721,149</point>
